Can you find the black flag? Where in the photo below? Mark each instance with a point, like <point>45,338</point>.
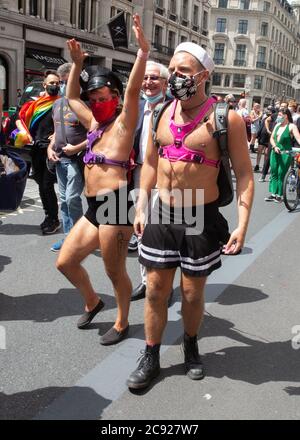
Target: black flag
<point>118,30</point>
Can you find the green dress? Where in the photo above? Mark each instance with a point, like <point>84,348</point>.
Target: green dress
<point>280,163</point>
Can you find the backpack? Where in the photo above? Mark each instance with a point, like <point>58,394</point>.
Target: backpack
<point>221,121</point>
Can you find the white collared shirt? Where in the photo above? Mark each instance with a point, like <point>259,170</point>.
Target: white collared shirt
<point>144,134</point>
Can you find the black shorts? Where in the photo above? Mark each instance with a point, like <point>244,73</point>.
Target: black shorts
<point>113,208</point>
<point>166,246</point>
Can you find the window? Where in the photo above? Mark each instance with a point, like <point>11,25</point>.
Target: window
<point>173,6</point>
<point>47,10</point>
<point>267,6</point>
<point>219,53</point>
<point>158,35</point>
<point>269,85</point>
<point>93,16</point>
<point>227,80</point>
<point>73,12</point>
<point>243,27</point>
<point>171,40</point>
<point>217,79</point>
<point>185,7</point>
<point>273,33</point>
<point>204,20</point>
<point>223,3</point>
<point>261,57</point>
<point>221,25</point>
<point>81,14</point>
<point>239,80</point>
<point>33,7</point>
<point>196,15</point>
<point>240,55</point>
<point>245,4</point>
<point>264,29</point>
<point>183,39</point>
<point>258,82</point>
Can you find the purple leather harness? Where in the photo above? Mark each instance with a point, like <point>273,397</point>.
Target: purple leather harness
<point>98,158</point>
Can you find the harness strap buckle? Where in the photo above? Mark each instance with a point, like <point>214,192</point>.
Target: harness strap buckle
<point>219,133</point>
<point>198,159</point>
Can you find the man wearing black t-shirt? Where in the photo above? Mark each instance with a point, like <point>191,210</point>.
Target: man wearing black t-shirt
<point>41,133</point>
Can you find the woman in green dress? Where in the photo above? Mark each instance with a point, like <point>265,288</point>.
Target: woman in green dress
<point>281,140</point>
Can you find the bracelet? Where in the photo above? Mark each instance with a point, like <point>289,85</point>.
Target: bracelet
<point>142,55</point>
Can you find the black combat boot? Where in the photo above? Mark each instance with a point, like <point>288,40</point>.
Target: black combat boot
<point>147,370</point>
<point>192,361</point>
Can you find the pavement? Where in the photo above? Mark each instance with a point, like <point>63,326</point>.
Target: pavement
<point>249,340</point>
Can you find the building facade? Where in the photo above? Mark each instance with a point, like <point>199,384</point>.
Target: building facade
<point>176,21</point>
<point>256,49</point>
<point>33,34</point>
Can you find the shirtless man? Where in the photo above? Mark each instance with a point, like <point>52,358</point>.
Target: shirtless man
<point>177,168</point>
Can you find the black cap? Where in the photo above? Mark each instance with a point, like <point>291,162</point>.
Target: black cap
<point>95,77</point>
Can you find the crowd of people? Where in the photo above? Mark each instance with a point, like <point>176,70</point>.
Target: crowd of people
<point>272,133</point>
<point>85,121</point>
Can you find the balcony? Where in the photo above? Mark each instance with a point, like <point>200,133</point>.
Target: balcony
<point>280,72</point>
<point>184,21</point>
<point>159,9</point>
<point>261,65</point>
<point>172,16</point>
<point>220,36</point>
<point>241,63</point>
<point>165,50</point>
<point>219,61</point>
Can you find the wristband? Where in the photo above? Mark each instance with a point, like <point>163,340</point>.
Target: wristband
<point>142,55</point>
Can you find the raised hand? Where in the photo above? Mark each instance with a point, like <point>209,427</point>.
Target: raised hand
<point>77,54</point>
<point>139,33</point>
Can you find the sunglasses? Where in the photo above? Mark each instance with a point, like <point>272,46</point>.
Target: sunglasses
<point>152,77</point>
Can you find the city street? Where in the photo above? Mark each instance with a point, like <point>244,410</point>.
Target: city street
<point>249,340</point>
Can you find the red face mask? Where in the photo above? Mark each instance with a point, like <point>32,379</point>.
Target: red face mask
<point>103,111</point>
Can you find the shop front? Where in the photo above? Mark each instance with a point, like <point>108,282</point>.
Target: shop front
<point>37,61</point>
<point>122,69</point>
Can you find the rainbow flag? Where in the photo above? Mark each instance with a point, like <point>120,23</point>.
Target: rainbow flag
<point>30,113</point>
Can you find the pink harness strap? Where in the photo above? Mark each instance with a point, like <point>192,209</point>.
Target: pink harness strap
<point>179,151</point>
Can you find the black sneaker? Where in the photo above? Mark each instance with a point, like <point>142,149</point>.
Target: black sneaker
<point>192,361</point>
<point>45,222</point>
<point>148,369</point>
<point>52,227</point>
<point>256,168</point>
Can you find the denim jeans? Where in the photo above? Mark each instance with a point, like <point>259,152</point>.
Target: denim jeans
<point>70,186</point>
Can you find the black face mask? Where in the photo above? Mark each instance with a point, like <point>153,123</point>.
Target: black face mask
<point>52,90</point>
<point>182,87</point>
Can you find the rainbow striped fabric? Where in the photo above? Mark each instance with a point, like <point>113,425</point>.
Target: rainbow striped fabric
<point>30,113</point>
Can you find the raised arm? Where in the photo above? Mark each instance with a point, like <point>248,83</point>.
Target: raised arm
<point>82,111</point>
<point>129,114</point>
